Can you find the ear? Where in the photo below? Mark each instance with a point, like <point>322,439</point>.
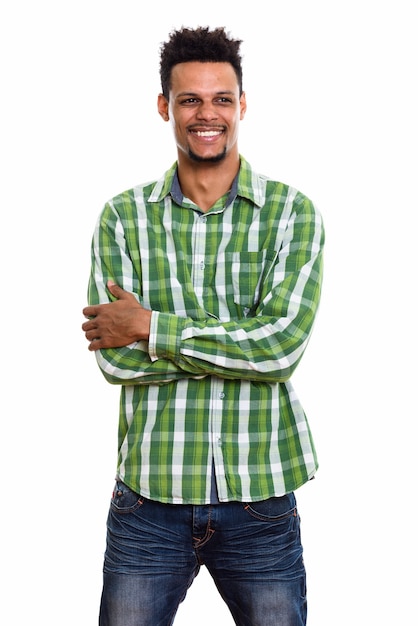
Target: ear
<point>243,105</point>
<point>162,104</point>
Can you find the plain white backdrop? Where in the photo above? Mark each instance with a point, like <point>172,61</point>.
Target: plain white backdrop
<point>331,92</point>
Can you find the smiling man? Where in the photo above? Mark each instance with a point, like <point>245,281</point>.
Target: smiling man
<point>203,293</point>
<point>205,104</point>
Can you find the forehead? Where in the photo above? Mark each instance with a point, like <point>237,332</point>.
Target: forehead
<point>206,77</point>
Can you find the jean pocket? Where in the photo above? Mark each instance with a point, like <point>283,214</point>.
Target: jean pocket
<point>273,509</point>
<point>124,500</point>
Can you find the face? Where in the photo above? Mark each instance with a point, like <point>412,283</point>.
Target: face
<point>205,109</point>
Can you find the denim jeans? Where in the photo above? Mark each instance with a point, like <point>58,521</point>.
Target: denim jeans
<point>154,551</point>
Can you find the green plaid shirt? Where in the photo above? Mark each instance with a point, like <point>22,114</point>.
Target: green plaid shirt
<point>234,293</point>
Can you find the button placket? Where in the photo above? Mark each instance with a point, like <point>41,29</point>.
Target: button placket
<point>216,433</point>
<point>199,250</point>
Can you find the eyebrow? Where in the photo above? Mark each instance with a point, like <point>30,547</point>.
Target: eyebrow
<point>193,93</point>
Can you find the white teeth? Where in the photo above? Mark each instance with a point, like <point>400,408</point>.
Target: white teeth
<point>208,133</point>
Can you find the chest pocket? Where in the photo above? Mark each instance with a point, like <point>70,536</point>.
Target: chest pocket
<point>249,272</point>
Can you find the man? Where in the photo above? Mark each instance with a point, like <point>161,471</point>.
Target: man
<point>203,292</point>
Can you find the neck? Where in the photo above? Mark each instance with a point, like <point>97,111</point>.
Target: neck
<point>204,183</point>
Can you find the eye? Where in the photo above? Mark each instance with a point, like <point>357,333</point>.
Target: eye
<point>189,101</point>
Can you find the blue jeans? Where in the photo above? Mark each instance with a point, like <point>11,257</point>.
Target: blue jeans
<point>154,551</point>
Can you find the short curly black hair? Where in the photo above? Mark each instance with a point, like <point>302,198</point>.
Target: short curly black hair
<point>199,44</point>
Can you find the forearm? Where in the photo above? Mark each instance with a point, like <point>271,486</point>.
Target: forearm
<point>131,365</point>
<point>260,351</point>
<point>265,348</point>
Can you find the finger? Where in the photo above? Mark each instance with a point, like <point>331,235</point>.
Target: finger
<point>90,311</point>
<point>94,345</point>
<point>89,325</point>
<point>92,335</point>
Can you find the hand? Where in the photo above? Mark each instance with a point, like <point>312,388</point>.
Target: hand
<point>117,323</point>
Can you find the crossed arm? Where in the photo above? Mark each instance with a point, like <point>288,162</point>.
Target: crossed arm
<point>134,345</point>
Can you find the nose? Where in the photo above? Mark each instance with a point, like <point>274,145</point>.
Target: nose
<point>207,111</point>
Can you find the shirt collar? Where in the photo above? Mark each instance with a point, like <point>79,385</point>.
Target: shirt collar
<point>247,184</point>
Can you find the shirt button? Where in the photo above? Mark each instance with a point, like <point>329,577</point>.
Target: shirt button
<point>202,265</point>
<point>222,395</point>
<point>204,218</point>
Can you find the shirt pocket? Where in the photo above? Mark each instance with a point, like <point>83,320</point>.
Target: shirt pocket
<point>249,272</point>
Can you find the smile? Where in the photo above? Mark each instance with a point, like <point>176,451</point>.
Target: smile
<point>208,133</point>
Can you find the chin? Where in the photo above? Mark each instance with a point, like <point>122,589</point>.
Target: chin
<point>211,159</point>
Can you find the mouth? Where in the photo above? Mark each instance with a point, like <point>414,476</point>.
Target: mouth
<point>206,133</point>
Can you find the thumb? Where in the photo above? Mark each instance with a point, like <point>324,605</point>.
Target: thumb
<point>115,290</point>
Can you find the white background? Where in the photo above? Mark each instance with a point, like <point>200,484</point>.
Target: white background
<point>332,108</point>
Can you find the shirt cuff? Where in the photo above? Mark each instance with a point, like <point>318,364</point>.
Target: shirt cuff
<point>165,336</point>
